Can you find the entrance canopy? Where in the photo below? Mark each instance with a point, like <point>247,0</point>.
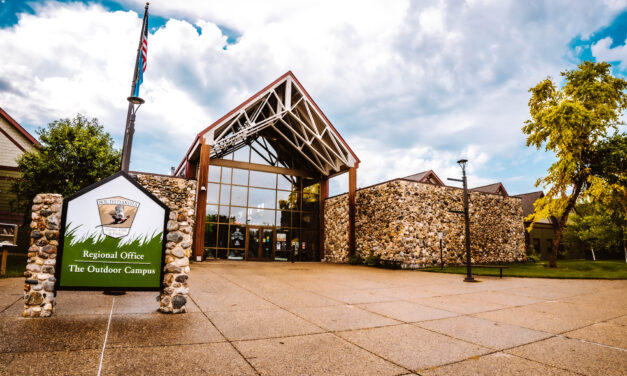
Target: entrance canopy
<point>284,125</point>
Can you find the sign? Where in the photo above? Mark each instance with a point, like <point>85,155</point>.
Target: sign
<point>112,237</point>
<point>237,238</point>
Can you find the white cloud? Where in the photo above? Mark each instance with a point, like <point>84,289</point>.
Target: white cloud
<point>410,85</point>
<point>603,51</point>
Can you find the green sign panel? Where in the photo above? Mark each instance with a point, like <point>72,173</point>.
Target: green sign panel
<point>112,238</point>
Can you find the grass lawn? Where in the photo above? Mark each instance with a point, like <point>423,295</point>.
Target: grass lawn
<point>614,269</point>
<point>16,266</point>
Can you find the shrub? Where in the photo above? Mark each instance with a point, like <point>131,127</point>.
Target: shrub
<point>372,259</point>
<point>355,260</point>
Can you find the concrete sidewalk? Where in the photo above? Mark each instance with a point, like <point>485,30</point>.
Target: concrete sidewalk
<point>309,318</point>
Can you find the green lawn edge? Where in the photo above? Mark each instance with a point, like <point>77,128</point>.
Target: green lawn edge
<point>566,269</point>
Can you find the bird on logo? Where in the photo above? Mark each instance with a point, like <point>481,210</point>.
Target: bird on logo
<point>118,215</point>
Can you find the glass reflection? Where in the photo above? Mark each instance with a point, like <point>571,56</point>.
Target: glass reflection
<point>225,194</point>
<point>240,177</point>
<point>238,195</point>
<point>213,192</point>
<point>243,154</point>
<point>224,214</point>
<point>286,182</point>
<point>226,175</point>
<point>262,179</point>
<point>260,217</point>
<point>261,198</point>
<point>214,174</point>
<point>238,215</point>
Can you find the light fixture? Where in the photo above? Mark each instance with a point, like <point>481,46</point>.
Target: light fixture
<point>136,100</point>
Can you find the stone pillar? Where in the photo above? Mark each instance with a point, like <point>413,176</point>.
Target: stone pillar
<point>42,255</point>
<point>178,250</point>
<point>179,194</point>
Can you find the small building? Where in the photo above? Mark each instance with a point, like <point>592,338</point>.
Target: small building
<point>495,188</point>
<point>14,141</point>
<point>541,235</point>
<point>428,177</point>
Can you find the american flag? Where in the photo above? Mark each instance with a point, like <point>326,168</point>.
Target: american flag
<point>143,56</point>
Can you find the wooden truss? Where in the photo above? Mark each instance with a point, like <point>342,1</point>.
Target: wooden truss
<point>285,109</point>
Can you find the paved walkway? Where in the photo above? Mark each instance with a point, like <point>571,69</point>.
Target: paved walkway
<point>295,319</point>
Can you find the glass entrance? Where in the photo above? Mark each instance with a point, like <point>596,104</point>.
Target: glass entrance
<point>259,243</point>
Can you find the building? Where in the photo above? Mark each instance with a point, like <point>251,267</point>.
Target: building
<point>262,172</point>
<point>495,188</point>
<point>428,177</point>
<point>400,221</point>
<point>541,235</point>
<point>14,141</point>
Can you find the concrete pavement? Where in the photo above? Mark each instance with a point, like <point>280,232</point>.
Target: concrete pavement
<point>320,319</point>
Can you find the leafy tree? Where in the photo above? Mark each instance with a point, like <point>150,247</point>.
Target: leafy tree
<point>74,154</point>
<point>576,123</point>
<point>593,227</point>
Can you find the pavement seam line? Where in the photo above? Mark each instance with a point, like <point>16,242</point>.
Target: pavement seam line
<point>9,306</point>
<point>225,338</point>
<point>104,345</point>
<point>324,329</point>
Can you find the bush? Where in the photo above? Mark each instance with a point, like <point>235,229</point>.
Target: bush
<point>372,259</point>
<point>533,258</point>
<point>355,260</point>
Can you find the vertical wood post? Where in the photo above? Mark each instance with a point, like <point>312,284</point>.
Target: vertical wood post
<point>352,188</point>
<point>201,200</point>
<point>324,193</point>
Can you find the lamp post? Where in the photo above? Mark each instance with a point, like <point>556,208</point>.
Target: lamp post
<point>133,106</point>
<point>462,164</point>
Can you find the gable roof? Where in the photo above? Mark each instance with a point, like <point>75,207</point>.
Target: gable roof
<point>426,177</point>
<point>295,118</point>
<point>496,188</point>
<point>19,128</point>
<point>527,201</point>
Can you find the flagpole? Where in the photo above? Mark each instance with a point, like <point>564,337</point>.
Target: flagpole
<point>133,101</point>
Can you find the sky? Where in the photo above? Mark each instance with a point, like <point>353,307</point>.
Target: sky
<point>410,85</point>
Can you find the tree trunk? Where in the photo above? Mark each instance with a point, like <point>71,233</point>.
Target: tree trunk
<point>594,258</point>
<point>561,223</point>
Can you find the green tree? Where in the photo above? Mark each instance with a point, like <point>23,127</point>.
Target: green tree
<point>74,154</point>
<point>577,122</point>
<point>593,227</point>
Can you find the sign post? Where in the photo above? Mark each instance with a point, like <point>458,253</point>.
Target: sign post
<point>112,238</point>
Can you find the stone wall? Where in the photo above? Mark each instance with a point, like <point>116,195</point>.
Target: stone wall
<point>400,220</point>
<point>179,195</point>
<point>336,229</point>
<point>42,255</point>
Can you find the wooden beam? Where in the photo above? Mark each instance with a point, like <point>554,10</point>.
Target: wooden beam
<point>352,189</point>
<point>324,193</point>
<point>259,167</point>
<point>201,200</point>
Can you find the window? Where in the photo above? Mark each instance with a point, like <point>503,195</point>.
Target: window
<point>536,245</point>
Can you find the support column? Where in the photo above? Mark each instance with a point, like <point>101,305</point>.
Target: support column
<point>352,188</point>
<point>39,289</point>
<point>324,193</point>
<point>201,200</point>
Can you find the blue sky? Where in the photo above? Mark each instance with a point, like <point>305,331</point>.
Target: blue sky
<point>411,86</point>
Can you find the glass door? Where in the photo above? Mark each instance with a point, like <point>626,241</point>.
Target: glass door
<point>252,243</point>
<point>267,248</point>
